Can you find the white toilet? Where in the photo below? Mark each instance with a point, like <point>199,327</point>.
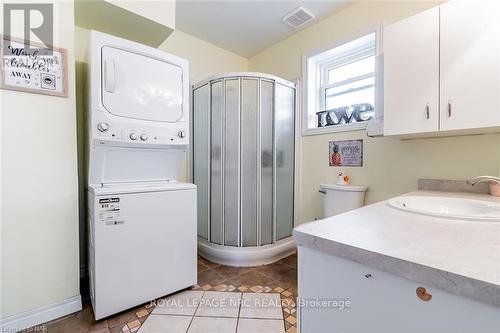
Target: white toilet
<point>338,199</point>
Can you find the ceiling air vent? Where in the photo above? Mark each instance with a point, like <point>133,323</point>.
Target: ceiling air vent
<point>298,17</point>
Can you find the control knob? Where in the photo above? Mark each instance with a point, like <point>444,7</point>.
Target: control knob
<point>133,136</point>
<point>144,137</point>
<point>102,127</point>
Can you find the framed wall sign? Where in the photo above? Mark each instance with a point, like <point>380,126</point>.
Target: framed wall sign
<point>346,153</point>
<point>32,67</point>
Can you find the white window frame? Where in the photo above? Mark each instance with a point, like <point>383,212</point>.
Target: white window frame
<point>316,90</point>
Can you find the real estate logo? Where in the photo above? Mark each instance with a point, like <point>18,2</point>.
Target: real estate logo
<point>43,29</point>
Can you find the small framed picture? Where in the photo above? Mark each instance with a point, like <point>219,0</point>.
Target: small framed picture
<point>346,153</point>
<point>33,67</point>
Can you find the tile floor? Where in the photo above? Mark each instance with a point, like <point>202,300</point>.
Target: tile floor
<point>216,311</point>
<point>269,281</point>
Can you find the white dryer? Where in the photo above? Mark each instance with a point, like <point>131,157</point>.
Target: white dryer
<point>141,220</point>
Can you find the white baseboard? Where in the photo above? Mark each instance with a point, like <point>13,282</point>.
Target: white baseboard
<point>41,315</point>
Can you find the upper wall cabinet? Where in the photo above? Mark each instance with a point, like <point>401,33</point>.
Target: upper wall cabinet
<point>411,75</point>
<point>470,64</point>
<point>442,71</point>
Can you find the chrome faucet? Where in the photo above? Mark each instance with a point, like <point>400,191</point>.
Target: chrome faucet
<point>485,179</point>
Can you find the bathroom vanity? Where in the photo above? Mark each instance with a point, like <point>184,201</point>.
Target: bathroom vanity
<point>383,269</point>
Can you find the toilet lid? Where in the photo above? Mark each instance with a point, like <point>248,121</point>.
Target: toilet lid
<point>349,188</point>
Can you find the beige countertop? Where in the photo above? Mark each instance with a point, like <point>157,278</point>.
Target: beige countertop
<point>462,257</point>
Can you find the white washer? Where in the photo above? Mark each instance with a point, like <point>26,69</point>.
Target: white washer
<point>142,222</point>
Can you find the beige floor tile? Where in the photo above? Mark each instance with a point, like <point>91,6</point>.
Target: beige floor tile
<point>210,276</point>
<point>263,305</point>
<point>219,304</point>
<point>141,313</point>
<point>165,324</point>
<point>207,263</point>
<point>122,318</point>
<point>213,325</point>
<point>183,303</point>
<point>281,277</point>
<point>292,320</point>
<point>260,326</point>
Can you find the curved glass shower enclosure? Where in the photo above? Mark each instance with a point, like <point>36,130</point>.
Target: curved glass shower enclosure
<point>243,159</point>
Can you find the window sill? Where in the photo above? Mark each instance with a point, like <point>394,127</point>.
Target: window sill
<point>334,129</point>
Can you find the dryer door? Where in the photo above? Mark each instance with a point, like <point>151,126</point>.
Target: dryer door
<point>140,87</point>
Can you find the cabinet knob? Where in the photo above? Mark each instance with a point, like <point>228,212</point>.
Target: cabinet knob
<point>423,294</point>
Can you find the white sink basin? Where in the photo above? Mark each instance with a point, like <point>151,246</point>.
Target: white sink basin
<point>457,208</point>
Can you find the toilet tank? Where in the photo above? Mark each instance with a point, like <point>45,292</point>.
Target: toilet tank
<point>338,199</point>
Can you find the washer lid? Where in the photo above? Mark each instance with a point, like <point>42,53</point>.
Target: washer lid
<point>140,87</point>
<point>140,187</point>
<point>349,188</point>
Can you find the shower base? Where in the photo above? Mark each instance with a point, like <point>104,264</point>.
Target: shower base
<point>246,256</point>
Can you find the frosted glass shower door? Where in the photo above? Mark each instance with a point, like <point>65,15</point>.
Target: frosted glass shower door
<point>284,159</point>
<point>243,151</point>
<point>249,132</point>
<point>201,153</point>
<point>232,163</point>
<point>216,193</point>
<point>266,161</point>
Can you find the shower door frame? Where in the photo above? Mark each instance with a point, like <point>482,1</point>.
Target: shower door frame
<point>259,77</point>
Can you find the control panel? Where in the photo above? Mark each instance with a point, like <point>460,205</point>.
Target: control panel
<point>123,133</point>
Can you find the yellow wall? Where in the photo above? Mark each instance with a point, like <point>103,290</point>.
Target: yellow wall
<point>39,221</point>
<point>391,166</point>
<point>205,59</point>
<point>162,11</point>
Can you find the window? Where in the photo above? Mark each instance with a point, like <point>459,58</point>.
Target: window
<point>341,85</point>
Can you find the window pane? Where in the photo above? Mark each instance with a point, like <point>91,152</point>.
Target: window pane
<point>350,87</point>
<point>351,98</point>
<point>352,70</point>
<point>341,83</point>
<point>350,107</point>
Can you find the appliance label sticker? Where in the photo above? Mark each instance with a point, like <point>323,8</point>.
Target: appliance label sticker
<point>109,211</point>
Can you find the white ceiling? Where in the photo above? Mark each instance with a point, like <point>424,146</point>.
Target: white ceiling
<point>245,27</point>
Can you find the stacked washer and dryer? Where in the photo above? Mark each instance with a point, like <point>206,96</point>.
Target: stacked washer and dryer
<point>141,220</point>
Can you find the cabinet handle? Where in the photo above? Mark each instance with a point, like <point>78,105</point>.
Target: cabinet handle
<point>449,108</point>
<point>427,111</point>
<point>423,294</point>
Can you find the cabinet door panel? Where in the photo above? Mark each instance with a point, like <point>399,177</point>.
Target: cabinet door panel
<point>411,74</point>
<point>470,64</point>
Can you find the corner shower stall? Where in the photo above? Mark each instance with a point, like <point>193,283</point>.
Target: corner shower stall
<point>243,166</point>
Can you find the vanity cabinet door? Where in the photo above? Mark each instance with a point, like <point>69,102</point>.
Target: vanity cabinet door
<point>337,295</point>
<point>470,64</point>
<point>411,74</point>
